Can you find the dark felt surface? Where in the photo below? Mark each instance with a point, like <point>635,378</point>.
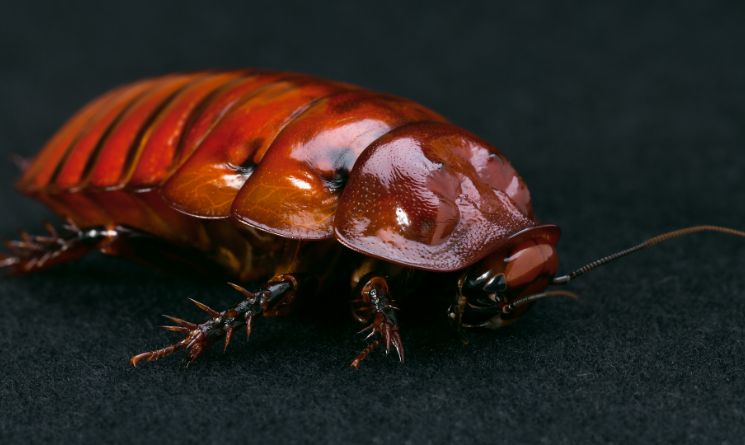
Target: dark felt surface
<point>625,121</point>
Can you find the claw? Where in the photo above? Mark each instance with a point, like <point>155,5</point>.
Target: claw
<point>136,359</point>
<point>365,352</point>
<point>211,312</point>
<point>180,322</point>
<point>194,343</point>
<point>158,353</point>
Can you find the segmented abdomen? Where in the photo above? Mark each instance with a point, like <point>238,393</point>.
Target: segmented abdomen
<point>269,149</point>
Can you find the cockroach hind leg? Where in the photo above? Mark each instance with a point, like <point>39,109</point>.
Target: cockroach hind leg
<point>221,325</point>
<point>30,253</point>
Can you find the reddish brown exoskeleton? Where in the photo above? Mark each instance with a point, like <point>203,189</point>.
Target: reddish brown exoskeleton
<point>296,182</point>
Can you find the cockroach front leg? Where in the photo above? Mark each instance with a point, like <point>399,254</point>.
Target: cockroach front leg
<point>375,308</point>
<point>272,299</point>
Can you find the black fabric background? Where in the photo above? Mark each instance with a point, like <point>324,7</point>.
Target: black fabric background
<point>624,120</point>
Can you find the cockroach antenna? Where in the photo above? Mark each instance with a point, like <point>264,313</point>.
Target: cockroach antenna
<point>643,245</point>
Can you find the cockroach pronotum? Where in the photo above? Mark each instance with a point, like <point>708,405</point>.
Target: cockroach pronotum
<point>296,182</point>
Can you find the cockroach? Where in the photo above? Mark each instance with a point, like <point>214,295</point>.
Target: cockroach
<point>296,182</point>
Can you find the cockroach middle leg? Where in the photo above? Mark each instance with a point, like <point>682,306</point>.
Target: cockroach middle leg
<point>374,307</point>
<point>271,299</point>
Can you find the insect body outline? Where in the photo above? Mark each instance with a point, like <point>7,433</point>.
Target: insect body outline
<point>262,173</point>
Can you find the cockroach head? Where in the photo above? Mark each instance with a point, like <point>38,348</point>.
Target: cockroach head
<point>522,266</point>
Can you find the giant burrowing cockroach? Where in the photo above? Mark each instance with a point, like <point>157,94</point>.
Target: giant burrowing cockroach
<point>296,182</point>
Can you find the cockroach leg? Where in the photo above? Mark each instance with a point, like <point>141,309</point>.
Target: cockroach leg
<point>375,307</point>
<point>272,297</point>
<point>8,261</point>
<point>36,252</point>
<point>373,345</point>
<point>455,314</point>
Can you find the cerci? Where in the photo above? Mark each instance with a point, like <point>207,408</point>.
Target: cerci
<point>296,182</point>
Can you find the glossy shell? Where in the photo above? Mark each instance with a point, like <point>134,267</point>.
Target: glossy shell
<point>433,197</point>
<point>288,154</point>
